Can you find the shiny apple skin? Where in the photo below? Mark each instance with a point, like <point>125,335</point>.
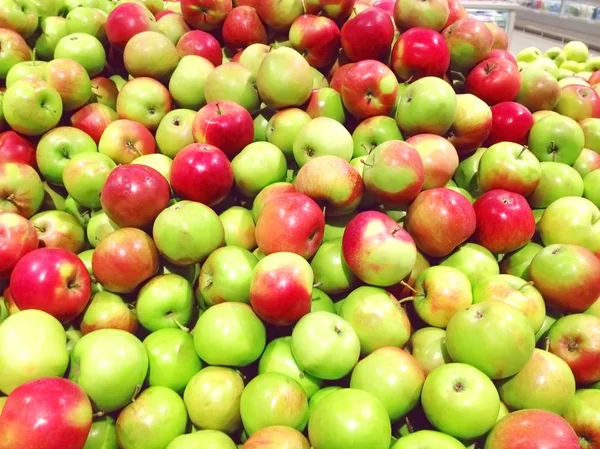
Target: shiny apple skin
<point>16,148</point>
<point>17,238</point>
<point>511,122</point>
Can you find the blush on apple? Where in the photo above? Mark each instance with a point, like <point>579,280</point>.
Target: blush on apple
<point>368,35</point>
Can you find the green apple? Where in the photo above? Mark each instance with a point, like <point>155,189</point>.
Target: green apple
<point>564,73</point>
<point>258,165</point>
<point>335,226</point>
<point>153,420</point>
<point>261,124</point>
<point>165,301</point>
<point>377,318</point>
<point>26,70</point>
<point>322,136</point>
<point>474,261</point>
<point>572,66</point>
<point>548,322</point>
<point>591,187</point>
<point>552,52</point>
<point>326,102</point>
<point>212,398</point>
<point>53,29</point>
<point>457,389</point>
<point>173,26</point>
<point>556,138</point>
<point>547,64</point>
<point>87,20</point>
<point>252,56</point>
<point>108,311</point>
<point>21,17</point>
<point>81,213</point>
<point>239,227</point>
<point>85,49</point>
<point>428,346</point>
<point>373,132</point>
<point>321,301</point>
<point>188,81</point>
<point>172,359</point>
<point>86,258</point>
<point>545,383</point>
<point>206,439</point>
<point>325,345</point>
<point>158,162</point>
<point>278,358</point>
<point>583,416</point>
<point>492,336</point>
<point>229,334</point>
<point>349,419</point>
<point>57,147</point>
<point>393,376</point>
<point>273,399</point>
<point>591,133</point>
<point>283,128</point>
<point>153,45</point>
<point>110,378</point>
<point>22,189</point>
<point>466,173</point>
<point>427,439</point>
<point>318,396</point>
<point>558,181</point>
<point>174,132</point>
<point>103,434</point>
<point>517,263</point>
<point>319,80</point>
<point>99,227</point>
<point>332,274</point>
<point>576,51</point>
<point>84,176</point>
<point>232,82</point>
<point>529,54</point>
<point>33,345</point>
<point>143,100</point>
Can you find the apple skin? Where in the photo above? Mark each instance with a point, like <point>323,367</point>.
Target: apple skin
<point>203,438</point>
<point>474,261</point>
<point>428,347</point>
<point>223,386</point>
<point>545,429</point>
<point>439,209</point>
<point>125,259</point>
<point>505,221</point>
<point>104,91</point>
<point>232,82</point>
<point>84,48</point>
<point>373,132</point>
<point>368,35</point>
<point>517,263</point>
<point>53,280</point>
<point>144,100</point>
<point>582,415</point>
<point>201,173</point>
<point>242,27</point>
<point>472,125</point>
<point>174,132</point>
<point>539,90</point>
<point>18,237</point>
<point>469,41</point>
<point>93,119</point>
<point>279,227</point>
<point>38,349</point>
<point>558,181</point>
<point>377,249</point>
<point>59,229</point>
<point>556,138</point>
<point>369,88</point>
<point>21,189</point>
<point>511,122</point>
<point>428,438</point>
<point>150,45</point>
<point>545,383</point>
<point>108,311</point>
<point>337,76</point>
<point>134,195</point>
<point>284,126</point>
<point>15,148</point>
<point>200,43</point>
<point>127,20</point>
<point>189,92</point>
<point>124,140</point>
<point>502,349</point>
<point>60,415</point>
<point>317,38</point>
<point>71,81</point>
<point>432,14</point>
<point>273,437</point>
<point>439,158</point>
<point>504,54</point>
<point>268,193</point>
<point>331,272</point>
<point>494,81</point>
<point>17,50</point>
<point>420,52</point>
<point>239,228</point>
<point>205,15</point>
<point>591,132</point>
<point>310,143</point>
<point>578,102</point>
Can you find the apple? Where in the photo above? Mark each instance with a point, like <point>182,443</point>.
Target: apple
<point>16,148</point>
<point>439,158</point>
<point>576,51</point>
<point>558,181</point>
<point>174,132</point>
<point>18,237</point>
<point>582,415</point>
<point>93,119</point>
<point>204,438</point>
<point>239,227</point>
<point>274,436</point>
<point>17,50</point>
<point>372,132</point>
<point>591,133</point>
<point>187,91</point>
<point>556,138</point>
<point>59,229</point>
<point>27,70</point>
<point>431,14</point>
<point>173,26</point>
<point>429,438</point>
<point>474,261</point>
<point>368,35</point>
<point>502,349</point>
<point>578,102</point>
<point>205,14</point>
<point>331,272</point>
<point>90,20</point>
<point>231,82</point>
<point>337,76</point>
<point>108,311</point>
<point>223,387</point>
<point>418,53</point>
<point>252,56</point>
<point>104,91</point>
<point>242,27</point>
<point>127,20</point>
<point>311,141</point>
<point>469,41</point>
<point>124,140</point>
<point>494,81</point>
<point>472,124</point>
<point>437,210</point>
<point>21,188</point>
<point>200,43</point>
<point>517,263</point>
<point>283,128</point>
<point>150,45</point>
<point>427,106</point>
<point>33,346</point>
<point>85,175</point>
<point>85,49</point>
<point>229,334</point>
<point>145,101</point>
<point>317,38</point>
<point>529,54</point>
<point>428,347</point>
<point>53,29</point>
<point>590,188</point>
<point>268,193</point>
<point>511,122</point>
<point>22,19</point>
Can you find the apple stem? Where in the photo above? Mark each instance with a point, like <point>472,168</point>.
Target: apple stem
<point>525,148</point>
<point>362,161</point>
<point>317,284</point>
<point>408,286</point>
<point>324,210</point>
<point>33,56</point>
<point>547,344</point>
<point>409,299</point>
<point>218,109</point>
<point>304,6</point>
<point>409,425</point>
<point>138,389</point>
<point>178,324</point>
<point>99,414</point>
<point>395,231</point>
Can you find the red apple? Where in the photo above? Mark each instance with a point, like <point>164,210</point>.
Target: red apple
<point>594,78</point>
<point>49,413</point>
<point>224,124</point>
<point>369,88</point>
<point>500,37</point>
<point>502,54</point>
<point>200,43</point>
<point>267,194</point>
<point>127,20</point>
<point>385,5</point>
<point>17,238</point>
<point>290,222</point>
<point>511,122</point>
<point>202,173</point>
<point>124,259</point>
<point>53,280</point>
<point>205,15</point>
<point>469,41</point>
<point>16,148</point>
<point>368,35</point>
<point>134,195</point>
<point>439,220</point>
<point>420,52</point>
<point>243,27</point>
<point>93,119</point>
<point>317,38</point>
<point>505,221</point>
<point>439,157</point>
<point>494,81</point>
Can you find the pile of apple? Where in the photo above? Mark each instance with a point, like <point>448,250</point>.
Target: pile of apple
<point>294,224</point>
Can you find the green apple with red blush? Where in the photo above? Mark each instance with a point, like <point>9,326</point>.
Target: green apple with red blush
<point>23,19</point>
<point>144,100</point>
<point>232,82</point>
<point>439,158</point>
<point>474,261</point>
<point>239,227</point>
<point>372,132</point>
<point>326,102</point>
<point>59,229</point>
<point>428,347</point>
<point>108,311</point>
<point>23,190</point>
<point>104,91</point>
<point>266,194</point>
<point>582,415</point>
<point>83,48</point>
<point>322,136</point>
<point>331,273</point>
<point>284,126</point>
<point>188,91</point>
<point>587,162</point>
<point>84,177</point>
<point>124,140</point>
<point>17,51</point>
<point>558,181</point>
<point>472,124</point>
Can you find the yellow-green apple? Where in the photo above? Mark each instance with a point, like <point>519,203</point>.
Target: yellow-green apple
<point>53,29</point>
<point>158,162</point>
<point>108,311</point>
<point>492,336</point>
<point>439,158</point>
<point>591,133</point>
<point>50,412</point>
<point>223,386</point>
<point>368,35</point>
<point>466,174</point>
<point>81,213</point>
<point>474,261</point>
<point>284,78</point>
<point>90,20</point>
<point>529,54</point>
<point>573,78</point>
<point>239,227</point>
<point>124,259</point>
<point>538,115</point>
<point>290,222</point>
<point>229,334</point>
<point>369,88</point>
<point>71,81</point>
<point>16,148</point>
<point>21,189</point>
<point>472,124</point>
<point>321,301</point>
<point>430,14</point>
<point>494,81</point>
<point>25,70</point>
<point>268,193</point>
<point>517,262</point>
<point>318,396</point>
<point>274,436</point>
<point>187,232</point>
<point>252,56</point>
<point>188,91</point>
<point>83,48</point>
<point>258,165</point>
<point>317,38</point>
<point>429,438</point>
<point>104,90</point>
<point>439,220</point>
<point>174,132</point>
<point>279,16</point>
<point>84,176</point>
<point>582,415</point>
<point>556,138</point>
<point>144,100</point>
<point>539,90</point>
<point>16,51</point>
<point>576,339</point>
<point>59,229</point>
<point>326,102</point>
<point>440,293</point>
<point>457,389</point>
<point>427,106</point>
<point>333,182</point>
<point>173,26</point>
<point>418,53</point>
<point>337,10</point>
<point>428,347</point>
<point>229,82</point>
<point>21,18</point>
<point>125,21</point>
<point>558,181</point>
<point>210,438</point>
<point>33,347</point>
<point>86,258</point>
<point>545,383</point>
<point>331,272</point>
<point>17,238</point>
<point>511,122</point>
<point>469,41</point>
<point>150,45</point>
<point>200,43</point>
<point>283,128</point>
<point>124,140</point>
<point>93,119</point>
<point>590,187</point>
<point>578,102</point>
<point>322,136</point>
<point>373,132</point>
<point>205,15</point>
<point>377,318</point>
<point>32,107</point>
<point>242,27</point>
<point>576,51</point>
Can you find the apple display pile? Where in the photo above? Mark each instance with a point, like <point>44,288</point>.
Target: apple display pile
<point>294,224</point>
